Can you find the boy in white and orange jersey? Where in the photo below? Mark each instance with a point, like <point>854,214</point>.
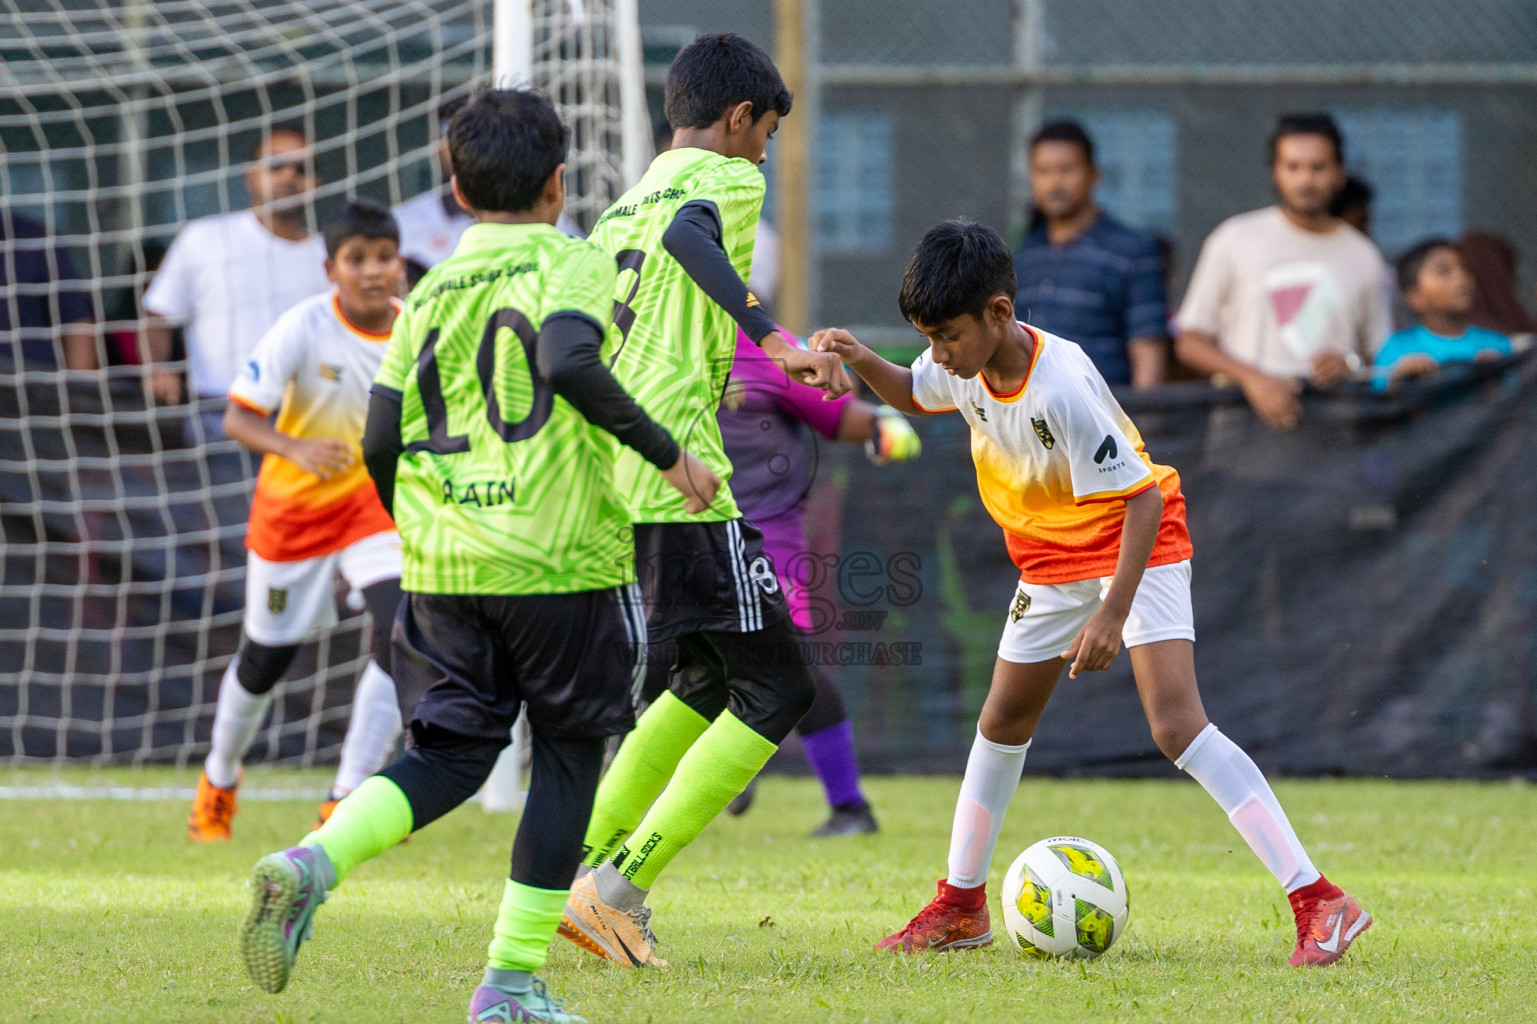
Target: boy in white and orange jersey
<point>1097,530</point>
<point>316,511</point>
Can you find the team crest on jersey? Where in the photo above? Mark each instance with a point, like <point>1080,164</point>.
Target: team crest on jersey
<point>978,410</point>
<point>1021,605</point>
<point>1043,432</point>
<point>277,600</point>
<point>331,371</point>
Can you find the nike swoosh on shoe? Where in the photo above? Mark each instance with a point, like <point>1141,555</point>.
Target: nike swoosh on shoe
<point>1333,943</point>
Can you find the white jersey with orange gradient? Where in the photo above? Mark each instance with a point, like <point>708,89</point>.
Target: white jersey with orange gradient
<point>314,367</point>
<point>1056,461</point>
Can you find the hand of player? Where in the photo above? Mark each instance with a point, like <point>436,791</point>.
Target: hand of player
<point>1274,399</point>
<point>1096,645</point>
<point>694,480</point>
<point>165,387</point>
<point>820,370</point>
<point>1329,369</point>
<point>323,456</point>
<point>839,342</point>
<point>1409,367</point>
<point>1488,355</point>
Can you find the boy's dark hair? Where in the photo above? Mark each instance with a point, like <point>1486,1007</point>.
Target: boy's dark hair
<point>1064,131</point>
<point>957,268</point>
<point>449,107</point>
<point>1355,192</point>
<point>360,218</point>
<point>503,147</point>
<point>1307,124</point>
<point>715,73</point>
<point>1412,262</point>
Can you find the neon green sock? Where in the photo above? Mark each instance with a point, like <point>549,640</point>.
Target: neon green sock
<point>709,777</point>
<point>373,818</point>
<point>645,762</point>
<point>525,924</point>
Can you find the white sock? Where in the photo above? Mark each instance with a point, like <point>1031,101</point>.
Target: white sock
<point>1237,784</point>
<point>371,732</point>
<point>992,776</point>
<point>239,715</point>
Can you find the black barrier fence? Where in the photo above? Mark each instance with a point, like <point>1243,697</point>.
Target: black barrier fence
<point>1364,586</point>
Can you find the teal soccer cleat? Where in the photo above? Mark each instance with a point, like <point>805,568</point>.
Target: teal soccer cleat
<point>286,889</point>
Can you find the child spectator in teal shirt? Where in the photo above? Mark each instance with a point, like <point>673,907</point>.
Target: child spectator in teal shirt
<point>1439,290</point>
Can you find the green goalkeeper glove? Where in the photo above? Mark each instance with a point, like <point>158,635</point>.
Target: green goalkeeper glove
<point>894,439</point>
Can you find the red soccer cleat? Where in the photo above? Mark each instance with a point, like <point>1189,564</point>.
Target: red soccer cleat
<point>1328,921</point>
<point>954,919</point>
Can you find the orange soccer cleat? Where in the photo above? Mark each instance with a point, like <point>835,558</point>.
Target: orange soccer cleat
<point>326,808</point>
<point>954,919</point>
<point>212,811</point>
<point>1326,925</point>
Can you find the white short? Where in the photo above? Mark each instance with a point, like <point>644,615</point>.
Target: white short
<point>285,601</point>
<point>1045,617</point>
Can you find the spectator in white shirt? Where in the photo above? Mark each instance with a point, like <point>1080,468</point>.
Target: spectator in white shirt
<point>1289,292</point>
<point>227,278</point>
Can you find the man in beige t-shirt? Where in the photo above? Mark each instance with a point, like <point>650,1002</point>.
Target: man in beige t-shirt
<point>1290,291</point>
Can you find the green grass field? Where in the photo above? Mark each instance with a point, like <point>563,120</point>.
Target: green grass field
<point>108,914</point>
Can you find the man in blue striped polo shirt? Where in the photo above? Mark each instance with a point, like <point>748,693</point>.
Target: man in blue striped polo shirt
<point>1083,274</point>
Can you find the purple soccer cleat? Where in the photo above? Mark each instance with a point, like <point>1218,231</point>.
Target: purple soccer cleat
<point>494,1006</point>
<point>286,889</point>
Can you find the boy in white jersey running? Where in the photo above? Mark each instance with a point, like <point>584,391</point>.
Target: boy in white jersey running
<point>315,512</point>
<point>1097,530</point>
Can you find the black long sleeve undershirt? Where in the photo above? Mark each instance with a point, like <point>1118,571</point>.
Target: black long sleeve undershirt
<point>569,357</point>
<point>382,446</point>
<point>694,239</point>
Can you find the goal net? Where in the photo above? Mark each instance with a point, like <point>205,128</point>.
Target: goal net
<point>122,519</point>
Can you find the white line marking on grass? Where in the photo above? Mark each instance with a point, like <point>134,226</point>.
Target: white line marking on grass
<point>60,791</point>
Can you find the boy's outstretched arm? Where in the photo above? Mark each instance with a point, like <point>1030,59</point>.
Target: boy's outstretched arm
<point>892,382</point>
<point>569,357</point>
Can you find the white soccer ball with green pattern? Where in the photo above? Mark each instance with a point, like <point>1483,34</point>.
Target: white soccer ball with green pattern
<point>1065,897</point>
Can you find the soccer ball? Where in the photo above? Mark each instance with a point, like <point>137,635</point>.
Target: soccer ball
<point>1065,897</point>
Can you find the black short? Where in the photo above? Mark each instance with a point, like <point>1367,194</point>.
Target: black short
<point>475,660</point>
<point>706,577</point>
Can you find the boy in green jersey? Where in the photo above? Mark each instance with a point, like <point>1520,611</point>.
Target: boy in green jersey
<point>683,241</point>
<point>490,437</point>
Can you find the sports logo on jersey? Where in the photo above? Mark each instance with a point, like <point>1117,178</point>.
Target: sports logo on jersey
<point>277,600</point>
<point>331,371</point>
<point>1021,605</point>
<point>254,370</point>
<point>1106,450</point>
<point>1043,432</point>
<point>978,410</point>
